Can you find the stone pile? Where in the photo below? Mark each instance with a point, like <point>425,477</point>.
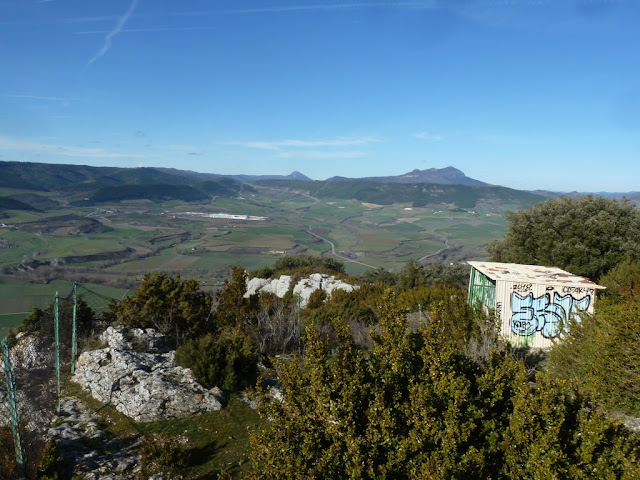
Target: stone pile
<point>305,287</point>
<point>143,386</point>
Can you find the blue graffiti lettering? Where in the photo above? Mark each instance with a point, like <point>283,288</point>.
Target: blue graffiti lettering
<point>530,315</point>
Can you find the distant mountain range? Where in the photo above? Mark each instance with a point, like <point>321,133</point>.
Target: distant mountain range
<point>416,194</point>
<point>240,178</point>
<point>79,178</point>
<point>87,185</point>
<point>438,176</point>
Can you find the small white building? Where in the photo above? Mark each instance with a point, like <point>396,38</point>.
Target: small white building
<point>531,303</point>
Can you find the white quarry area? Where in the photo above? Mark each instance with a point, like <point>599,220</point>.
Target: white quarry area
<point>305,287</point>
<point>143,386</point>
<point>227,216</point>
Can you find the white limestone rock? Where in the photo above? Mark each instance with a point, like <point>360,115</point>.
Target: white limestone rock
<point>29,353</point>
<point>146,339</point>
<point>254,285</point>
<point>305,287</point>
<point>279,286</point>
<point>89,452</point>
<point>143,386</point>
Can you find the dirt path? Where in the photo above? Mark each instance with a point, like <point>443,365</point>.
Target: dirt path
<point>334,253</point>
<point>446,246</point>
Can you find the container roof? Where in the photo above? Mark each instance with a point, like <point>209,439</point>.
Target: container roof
<point>514,272</point>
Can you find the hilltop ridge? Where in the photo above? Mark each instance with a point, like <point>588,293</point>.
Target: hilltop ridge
<point>440,176</point>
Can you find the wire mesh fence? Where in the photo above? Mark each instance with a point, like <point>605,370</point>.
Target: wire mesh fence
<point>33,365</point>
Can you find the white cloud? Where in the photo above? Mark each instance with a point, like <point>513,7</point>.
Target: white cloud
<point>7,143</point>
<point>296,143</point>
<point>39,97</point>
<point>315,154</point>
<point>181,149</point>
<point>142,30</point>
<point>436,137</point>
<point>117,29</point>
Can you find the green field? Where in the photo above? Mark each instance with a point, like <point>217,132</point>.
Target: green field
<point>17,298</point>
<point>142,236</point>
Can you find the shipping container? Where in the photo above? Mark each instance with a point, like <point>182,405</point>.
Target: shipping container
<point>532,304</point>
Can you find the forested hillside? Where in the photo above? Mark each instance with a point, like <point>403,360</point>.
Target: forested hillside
<point>417,194</point>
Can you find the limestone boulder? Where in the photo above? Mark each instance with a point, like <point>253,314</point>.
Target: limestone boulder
<point>143,386</point>
<point>305,287</point>
<point>254,285</point>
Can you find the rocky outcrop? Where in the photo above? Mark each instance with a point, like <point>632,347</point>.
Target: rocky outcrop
<point>89,452</point>
<point>32,363</point>
<point>30,352</point>
<point>278,286</point>
<point>143,386</point>
<point>146,340</point>
<point>305,287</point>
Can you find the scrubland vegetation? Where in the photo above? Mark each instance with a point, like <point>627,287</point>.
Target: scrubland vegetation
<point>402,378</point>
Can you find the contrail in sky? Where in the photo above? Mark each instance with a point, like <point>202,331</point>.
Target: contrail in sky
<point>107,40</point>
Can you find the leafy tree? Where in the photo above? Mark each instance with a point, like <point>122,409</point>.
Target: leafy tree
<point>623,282</point>
<point>587,236</point>
<point>226,360</point>
<point>553,433</point>
<point>233,308</point>
<point>379,275</point>
<point>600,352</point>
<point>171,305</point>
<point>414,275</point>
<point>301,264</point>
<point>417,407</point>
<point>411,276</point>
<point>454,274</point>
<point>40,320</point>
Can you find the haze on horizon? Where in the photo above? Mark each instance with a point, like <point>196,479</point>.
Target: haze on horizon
<point>529,95</point>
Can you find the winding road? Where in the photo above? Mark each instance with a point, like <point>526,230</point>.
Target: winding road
<point>333,250</point>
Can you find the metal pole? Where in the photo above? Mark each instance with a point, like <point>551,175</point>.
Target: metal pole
<point>13,410</point>
<point>57,350</point>
<point>299,326</point>
<point>74,338</point>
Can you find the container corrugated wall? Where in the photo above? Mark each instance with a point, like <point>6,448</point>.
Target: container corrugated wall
<point>533,314</point>
<point>481,289</point>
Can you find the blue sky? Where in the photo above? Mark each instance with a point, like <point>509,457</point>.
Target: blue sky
<point>530,94</point>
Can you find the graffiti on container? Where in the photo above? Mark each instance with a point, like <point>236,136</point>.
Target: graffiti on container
<point>498,309</point>
<point>539,314</point>
<point>578,290</point>
<point>522,287</point>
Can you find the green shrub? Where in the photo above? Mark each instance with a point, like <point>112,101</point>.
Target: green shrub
<point>306,264</point>
<point>416,406</point>
<point>587,236</point>
<point>41,320</point>
<point>8,467</point>
<point>316,299</point>
<point>173,306</point>
<point>600,354</point>
<point>227,360</point>
<point>51,464</point>
<point>163,453</point>
<point>623,281</point>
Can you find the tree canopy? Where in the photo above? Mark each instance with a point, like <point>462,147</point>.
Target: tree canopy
<point>169,304</point>
<point>417,407</point>
<point>586,236</point>
<point>600,353</point>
